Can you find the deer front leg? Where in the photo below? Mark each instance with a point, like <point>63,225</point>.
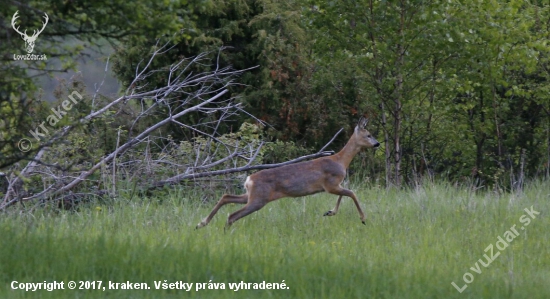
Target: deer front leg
<point>335,210</point>
<point>227,198</point>
<point>345,192</point>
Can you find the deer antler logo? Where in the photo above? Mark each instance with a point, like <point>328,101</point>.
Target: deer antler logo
<point>29,40</point>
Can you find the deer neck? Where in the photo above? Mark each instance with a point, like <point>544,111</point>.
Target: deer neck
<point>349,151</point>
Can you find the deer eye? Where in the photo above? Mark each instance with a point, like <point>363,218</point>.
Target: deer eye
<point>369,136</point>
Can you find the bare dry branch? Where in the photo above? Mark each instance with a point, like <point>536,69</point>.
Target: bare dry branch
<point>179,178</point>
<point>184,92</point>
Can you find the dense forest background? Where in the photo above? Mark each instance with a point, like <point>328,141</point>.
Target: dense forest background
<point>455,90</point>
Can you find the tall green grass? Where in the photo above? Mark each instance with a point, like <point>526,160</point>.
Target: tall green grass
<point>414,245</point>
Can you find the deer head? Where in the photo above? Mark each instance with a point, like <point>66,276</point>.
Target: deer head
<point>29,40</point>
<point>363,137</point>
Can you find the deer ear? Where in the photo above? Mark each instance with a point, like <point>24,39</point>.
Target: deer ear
<point>362,122</point>
<point>365,122</point>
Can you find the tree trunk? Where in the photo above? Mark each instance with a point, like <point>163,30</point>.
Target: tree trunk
<point>398,98</point>
<point>386,144</point>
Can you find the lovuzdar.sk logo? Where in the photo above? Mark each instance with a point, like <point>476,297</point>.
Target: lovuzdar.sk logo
<point>29,40</point>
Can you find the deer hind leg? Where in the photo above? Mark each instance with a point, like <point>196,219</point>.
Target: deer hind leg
<point>345,192</point>
<point>227,198</point>
<point>246,210</point>
<point>335,210</point>
<point>256,201</point>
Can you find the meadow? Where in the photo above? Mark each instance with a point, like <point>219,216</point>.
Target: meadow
<point>415,245</point>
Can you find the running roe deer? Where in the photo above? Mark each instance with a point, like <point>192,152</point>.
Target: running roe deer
<point>300,179</point>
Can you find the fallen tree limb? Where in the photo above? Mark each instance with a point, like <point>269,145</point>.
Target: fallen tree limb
<point>178,178</point>
<point>205,153</point>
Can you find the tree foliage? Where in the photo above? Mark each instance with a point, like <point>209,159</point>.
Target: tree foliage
<point>457,89</point>
<point>452,84</point>
<point>73,27</point>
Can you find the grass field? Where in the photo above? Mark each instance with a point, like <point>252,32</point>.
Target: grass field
<point>415,244</point>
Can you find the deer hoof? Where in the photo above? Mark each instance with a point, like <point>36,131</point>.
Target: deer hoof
<point>329,213</point>
<point>201,224</point>
<point>363,221</point>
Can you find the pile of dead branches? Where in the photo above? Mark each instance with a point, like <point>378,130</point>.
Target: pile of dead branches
<point>183,92</point>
